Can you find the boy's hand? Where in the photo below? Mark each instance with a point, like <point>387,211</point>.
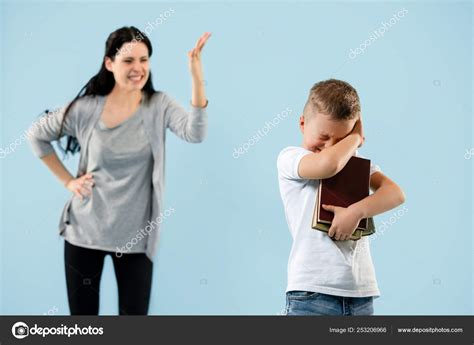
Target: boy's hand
<point>359,130</point>
<point>344,224</point>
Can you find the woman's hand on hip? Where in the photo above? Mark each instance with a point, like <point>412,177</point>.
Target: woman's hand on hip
<point>81,186</point>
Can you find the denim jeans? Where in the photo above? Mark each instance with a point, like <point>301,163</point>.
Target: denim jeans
<point>315,303</point>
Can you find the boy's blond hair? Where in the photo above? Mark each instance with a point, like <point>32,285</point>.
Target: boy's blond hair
<point>333,97</point>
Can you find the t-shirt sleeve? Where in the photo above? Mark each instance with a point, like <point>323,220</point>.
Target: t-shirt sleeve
<point>288,162</point>
<point>373,167</point>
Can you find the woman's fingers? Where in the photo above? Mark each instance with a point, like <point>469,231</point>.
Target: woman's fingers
<point>79,195</point>
<point>198,43</point>
<point>88,183</point>
<point>196,51</point>
<point>87,180</point>
<point>202,41</point>
<point>192,53</point>
<point>84,186</point>
<point>85,193</point>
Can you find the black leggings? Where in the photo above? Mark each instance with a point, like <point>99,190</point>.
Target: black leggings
<point>84,270</point>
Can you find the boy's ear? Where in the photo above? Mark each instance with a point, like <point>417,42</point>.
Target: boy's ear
<point>302,123</point>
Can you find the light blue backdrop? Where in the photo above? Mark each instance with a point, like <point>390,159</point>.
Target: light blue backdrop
<point>225,249</point>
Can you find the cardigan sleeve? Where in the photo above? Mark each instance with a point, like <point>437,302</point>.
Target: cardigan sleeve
<point>190,126</point>
<point>45,130</point>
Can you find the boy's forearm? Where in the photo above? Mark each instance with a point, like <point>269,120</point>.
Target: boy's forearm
<point>330,161</point>
<point>339,154</point>
<point>384,199</point>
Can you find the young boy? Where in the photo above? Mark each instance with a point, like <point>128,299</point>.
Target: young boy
<point>328,274</point>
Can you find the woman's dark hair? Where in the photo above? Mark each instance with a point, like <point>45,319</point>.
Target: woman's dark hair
<point>103,82</point>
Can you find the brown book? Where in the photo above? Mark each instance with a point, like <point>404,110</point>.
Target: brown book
<point>345,188</point>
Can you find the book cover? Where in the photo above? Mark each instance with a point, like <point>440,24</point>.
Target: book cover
<point>348,186</point>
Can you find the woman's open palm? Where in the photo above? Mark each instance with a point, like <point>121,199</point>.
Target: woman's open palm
<point>195,56</point>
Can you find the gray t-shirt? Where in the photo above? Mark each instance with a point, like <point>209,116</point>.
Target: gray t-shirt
<point>121,162</point>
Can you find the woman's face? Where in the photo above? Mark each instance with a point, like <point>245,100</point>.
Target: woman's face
<point>130,66</point>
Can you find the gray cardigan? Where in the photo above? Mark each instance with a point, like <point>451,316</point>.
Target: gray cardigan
<point>160,113</point>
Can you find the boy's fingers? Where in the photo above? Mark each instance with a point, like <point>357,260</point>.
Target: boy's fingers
<point>330,208</point>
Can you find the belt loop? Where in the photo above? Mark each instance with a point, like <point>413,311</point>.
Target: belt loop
<point>346,310</point>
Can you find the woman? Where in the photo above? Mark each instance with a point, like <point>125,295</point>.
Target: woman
<point>118,123</point>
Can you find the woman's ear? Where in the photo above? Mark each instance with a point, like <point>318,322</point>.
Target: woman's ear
<point>108,63</point>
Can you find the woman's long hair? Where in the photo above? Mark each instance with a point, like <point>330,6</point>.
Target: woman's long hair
<point>103,82</point>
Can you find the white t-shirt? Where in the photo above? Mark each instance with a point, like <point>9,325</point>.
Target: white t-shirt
<point>317,263</point>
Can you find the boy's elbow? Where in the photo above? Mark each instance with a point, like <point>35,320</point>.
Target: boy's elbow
<point>400,195</point>
<point>331,166</point>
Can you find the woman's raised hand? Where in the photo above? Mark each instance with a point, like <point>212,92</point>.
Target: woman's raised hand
<point>195,57</point>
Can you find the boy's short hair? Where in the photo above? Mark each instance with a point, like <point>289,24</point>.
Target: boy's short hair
<point>333,97</point>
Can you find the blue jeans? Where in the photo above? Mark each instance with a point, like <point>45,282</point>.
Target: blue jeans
<point>315,303</point>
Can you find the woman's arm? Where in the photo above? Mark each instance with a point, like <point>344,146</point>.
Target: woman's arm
<point>57,168</point>
<point>46,130</point>
<point>190,126</point>
<point>198,96</point>
<point>81,186</point>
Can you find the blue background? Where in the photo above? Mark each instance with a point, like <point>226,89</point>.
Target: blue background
<point>225,249</point>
